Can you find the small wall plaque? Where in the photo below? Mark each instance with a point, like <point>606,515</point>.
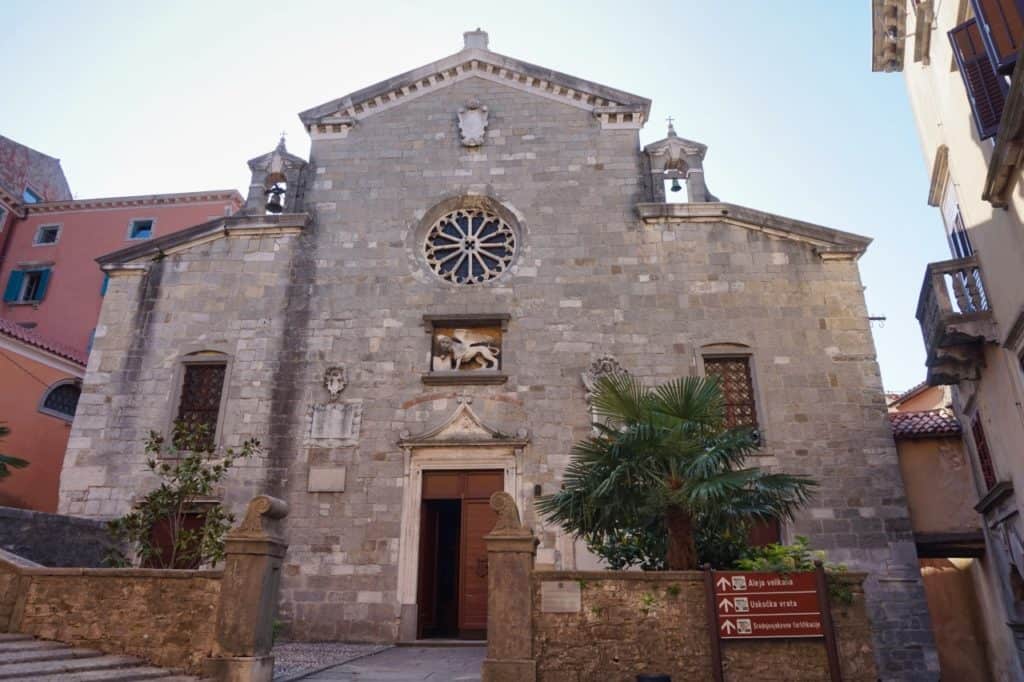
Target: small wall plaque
<point>561,596</point>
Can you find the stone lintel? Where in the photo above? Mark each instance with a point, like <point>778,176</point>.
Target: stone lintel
<point>999,492</point>
<point>466,320</point>
<point>476,377</point>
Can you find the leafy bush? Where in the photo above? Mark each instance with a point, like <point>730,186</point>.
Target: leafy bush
<point>179,508</point>
<point>719,544</point>
<point>799,556</point>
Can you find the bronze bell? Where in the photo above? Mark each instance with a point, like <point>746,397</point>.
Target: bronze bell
<point>274,200</point>
<point>676,187</point>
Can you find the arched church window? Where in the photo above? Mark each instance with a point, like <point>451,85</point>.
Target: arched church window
<point>61,400</point>
<point>469,246</point>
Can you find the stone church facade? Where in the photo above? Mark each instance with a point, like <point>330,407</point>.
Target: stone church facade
<point>467,247</point>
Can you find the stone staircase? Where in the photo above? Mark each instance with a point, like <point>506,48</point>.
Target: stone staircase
<point>23,657</point>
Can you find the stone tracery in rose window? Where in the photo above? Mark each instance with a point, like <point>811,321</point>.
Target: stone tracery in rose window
<point>469,246</point>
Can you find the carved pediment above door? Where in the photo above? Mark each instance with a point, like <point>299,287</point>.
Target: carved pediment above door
<point>464,427</point>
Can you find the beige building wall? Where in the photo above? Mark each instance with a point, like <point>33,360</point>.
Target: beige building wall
<point>958,161</point>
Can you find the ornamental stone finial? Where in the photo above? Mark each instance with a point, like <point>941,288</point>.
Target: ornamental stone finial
<point>260,507</point>
<point>508,522</point>
<point>475,39</point>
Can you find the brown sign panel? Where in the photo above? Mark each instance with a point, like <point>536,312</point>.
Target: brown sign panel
<point>781,625</point>
<point>763,604</point>
<point>745,582</point>
<point>755,605</point>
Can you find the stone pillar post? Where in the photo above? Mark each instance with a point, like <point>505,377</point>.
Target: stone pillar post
<point>248,595</point>
<point>510,552</point>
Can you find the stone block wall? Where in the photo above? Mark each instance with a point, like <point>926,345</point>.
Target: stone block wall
<point>53,539</point>
<point>633,622</point>
<point>165,617</point>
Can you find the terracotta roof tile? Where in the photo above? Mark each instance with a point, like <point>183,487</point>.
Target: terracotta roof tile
<point>925,424</point>
<point>16,331</point>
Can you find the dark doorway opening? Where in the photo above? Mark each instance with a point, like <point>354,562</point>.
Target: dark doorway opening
<point>455,516</point>
<point>439,568</point>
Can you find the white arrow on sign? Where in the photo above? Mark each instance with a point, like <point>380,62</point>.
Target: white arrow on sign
<point>723,584</point>
<point>728,627</point>
<point>725,605</point>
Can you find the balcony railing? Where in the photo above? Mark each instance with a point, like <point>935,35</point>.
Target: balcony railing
<point>956,320</point>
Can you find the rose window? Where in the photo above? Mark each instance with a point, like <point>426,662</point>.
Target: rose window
<point>470,246</point>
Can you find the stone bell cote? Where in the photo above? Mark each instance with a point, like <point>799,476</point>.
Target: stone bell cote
<point>676,158</point>
<point>277,182</point>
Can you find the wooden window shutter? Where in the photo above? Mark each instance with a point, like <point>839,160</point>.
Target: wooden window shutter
<point>734,377</point>
<point>985,89</point>
<point>201,390</point>
<point>988,472</point>
<point>1001,24</point>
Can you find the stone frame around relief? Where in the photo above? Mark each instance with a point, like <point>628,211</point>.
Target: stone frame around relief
<point>484,330</point>
<point>334,424</point>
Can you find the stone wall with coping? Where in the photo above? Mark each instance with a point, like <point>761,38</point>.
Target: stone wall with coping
<point>54,539</point>
<point>656,622</point>
<point>165,617</point>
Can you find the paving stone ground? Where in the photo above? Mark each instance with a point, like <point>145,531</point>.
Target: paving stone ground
<point>294,658</point>
<point>410,664</point>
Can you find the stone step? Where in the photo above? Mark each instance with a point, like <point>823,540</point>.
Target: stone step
<point>20,671</point>
<point>13,637</point>
<point>16,645</point>
<point>58,653</point>
<point>116,675</point>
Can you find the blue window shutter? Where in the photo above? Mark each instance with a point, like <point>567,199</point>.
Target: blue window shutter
<point>103,287</point>
<point>986,90</point>
<point>13,289</point>
<point>44,279</point>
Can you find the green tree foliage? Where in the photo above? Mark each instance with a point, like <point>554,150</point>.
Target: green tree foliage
<point>664,455</point>
<point>8,462</point>
<point>180,509</point>
<point>799,556</point>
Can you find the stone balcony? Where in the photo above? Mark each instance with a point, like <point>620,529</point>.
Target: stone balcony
<point>956,320</point>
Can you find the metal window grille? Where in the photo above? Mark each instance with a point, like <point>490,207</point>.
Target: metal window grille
<point>988,472</point>
<point>63,399</point>
<point>201,391</point>
<point>737,388</point>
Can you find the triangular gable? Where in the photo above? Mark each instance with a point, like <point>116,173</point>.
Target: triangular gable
<point>461,428</point>
<point>615,108</point>
<point>828,243</point>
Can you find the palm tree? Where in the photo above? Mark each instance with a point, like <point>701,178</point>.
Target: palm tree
<point>665,454</point>
<point>7,462</point>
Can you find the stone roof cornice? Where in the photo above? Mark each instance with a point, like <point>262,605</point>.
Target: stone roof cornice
<point>103,203</point>
<point>828,243</point>
<point>241,225</point>
<point>614,107</point>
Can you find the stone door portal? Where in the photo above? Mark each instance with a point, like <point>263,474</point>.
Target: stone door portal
<point>455,516</point>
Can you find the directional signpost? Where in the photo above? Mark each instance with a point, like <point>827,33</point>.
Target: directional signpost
<point>756,605</point>
<point>752,605</point>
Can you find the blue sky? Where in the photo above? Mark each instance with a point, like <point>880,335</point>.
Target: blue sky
<point>145,97</point>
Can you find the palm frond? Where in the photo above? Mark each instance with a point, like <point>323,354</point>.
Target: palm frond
<point>621,398</point>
